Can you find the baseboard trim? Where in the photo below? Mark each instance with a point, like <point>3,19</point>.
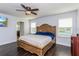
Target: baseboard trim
<point>63,44</point>
<point>7,43</point>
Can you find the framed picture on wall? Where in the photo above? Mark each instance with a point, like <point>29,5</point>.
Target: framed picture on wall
<point>3,21</point>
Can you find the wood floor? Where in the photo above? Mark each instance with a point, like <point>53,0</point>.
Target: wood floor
<point>12,50</point>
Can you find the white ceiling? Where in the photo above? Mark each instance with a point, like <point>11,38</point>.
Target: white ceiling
<point>44,8</point>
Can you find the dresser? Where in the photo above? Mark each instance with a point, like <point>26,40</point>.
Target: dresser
<point>75,45</point>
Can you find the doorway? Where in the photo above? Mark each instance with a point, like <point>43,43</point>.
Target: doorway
<point>20,29</point>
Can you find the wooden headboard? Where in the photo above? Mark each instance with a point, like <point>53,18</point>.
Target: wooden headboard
<point>46,28</point>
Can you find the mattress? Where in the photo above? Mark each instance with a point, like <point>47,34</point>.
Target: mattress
<point>39,41</point>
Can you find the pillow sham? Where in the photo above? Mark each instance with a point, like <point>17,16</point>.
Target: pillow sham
<point>52,35</point>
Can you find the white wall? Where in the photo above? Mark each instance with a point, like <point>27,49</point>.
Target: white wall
<point>53,20</point>
<point>8,34</point>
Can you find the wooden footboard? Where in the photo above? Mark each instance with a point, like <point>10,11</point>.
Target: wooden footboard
<point>34,49</point>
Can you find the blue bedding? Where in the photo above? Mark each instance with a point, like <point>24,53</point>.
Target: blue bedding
<point>52,35</point>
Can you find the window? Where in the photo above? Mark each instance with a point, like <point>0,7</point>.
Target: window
<point>33,27</point>
<point>65,27</point>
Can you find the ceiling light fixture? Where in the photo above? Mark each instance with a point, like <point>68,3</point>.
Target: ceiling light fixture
<point>28,12</point>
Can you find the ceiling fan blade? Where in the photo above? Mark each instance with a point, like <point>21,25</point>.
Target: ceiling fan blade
<point>23,6</point>
<point>34,13</point>
<point>19,10</point>
<point>34,9</point>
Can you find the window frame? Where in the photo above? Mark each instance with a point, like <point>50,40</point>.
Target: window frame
<point>59,35</point>
<point>33,28</point>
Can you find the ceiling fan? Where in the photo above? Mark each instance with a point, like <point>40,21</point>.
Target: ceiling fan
<point>28,10</point>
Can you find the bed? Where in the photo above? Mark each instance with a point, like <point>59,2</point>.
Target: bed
<point>38,44</point>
